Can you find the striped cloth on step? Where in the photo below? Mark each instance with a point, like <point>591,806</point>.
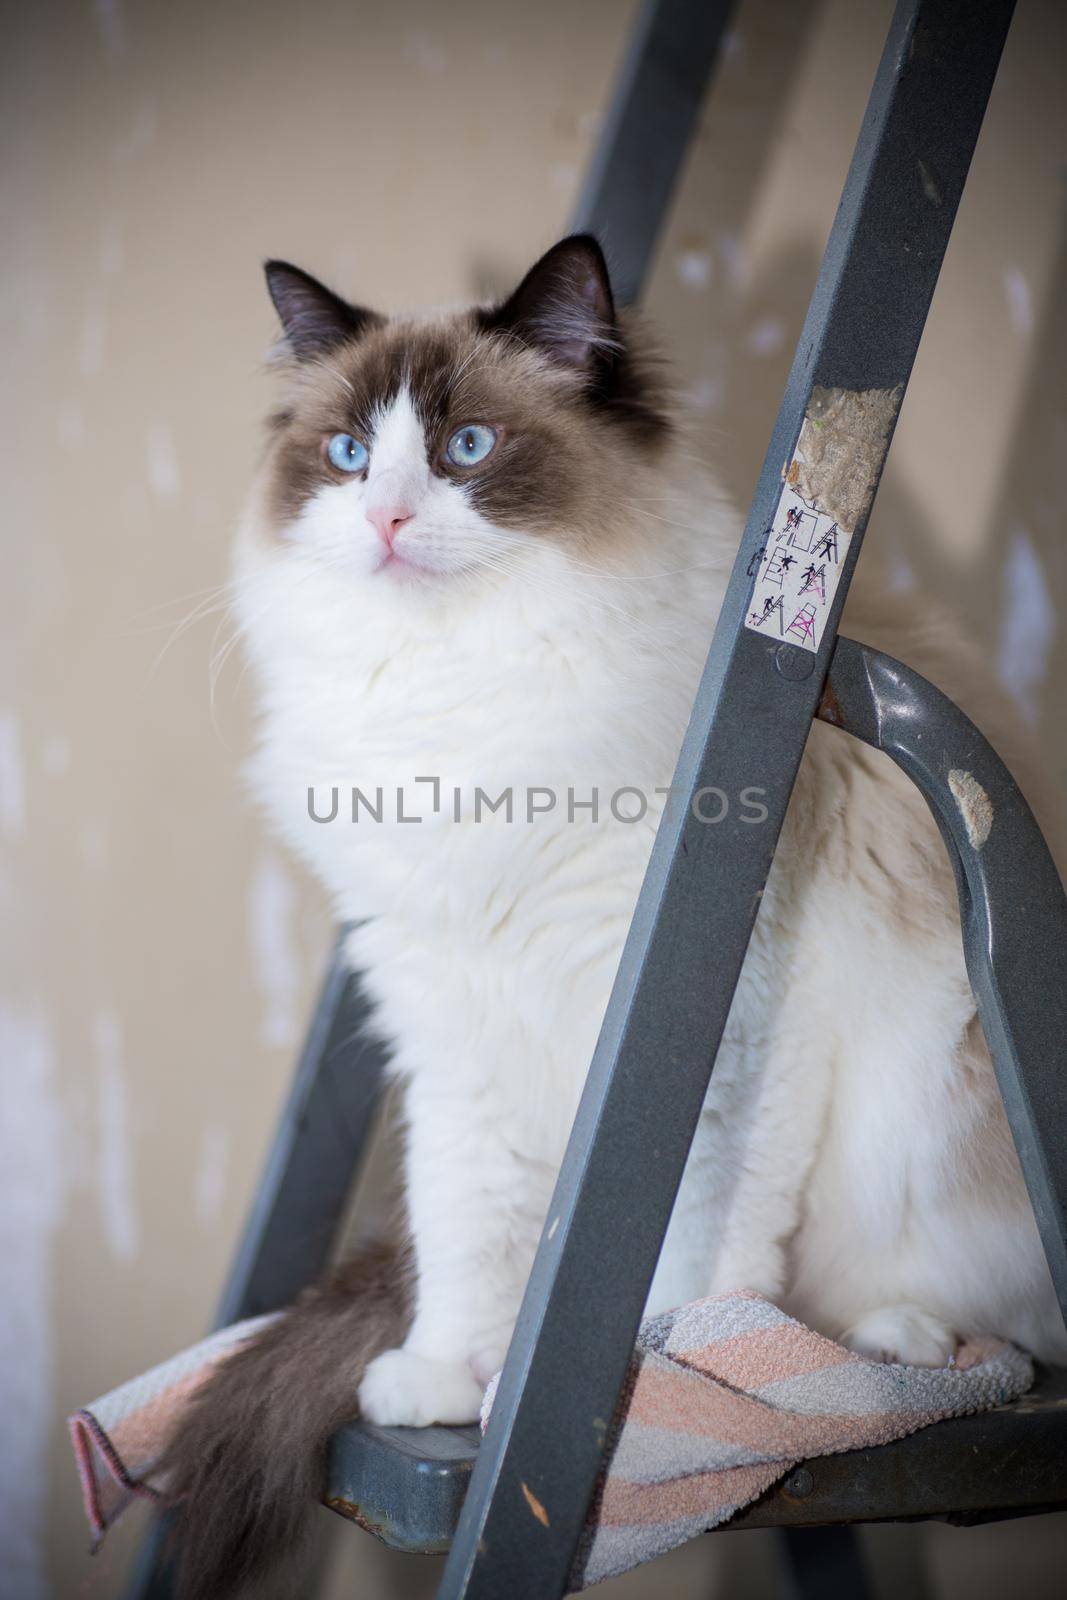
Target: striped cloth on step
<point>727,1395</point>
<point>724,1397</point>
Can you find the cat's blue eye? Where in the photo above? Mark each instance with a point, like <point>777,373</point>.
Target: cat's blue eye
<point>470,445</point>
<point>346,453</point>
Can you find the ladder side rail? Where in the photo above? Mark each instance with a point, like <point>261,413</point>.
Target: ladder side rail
<point>1012,904</point>
<point>538,1466</point>
<point>321,1137</point>
<point>647,129</point>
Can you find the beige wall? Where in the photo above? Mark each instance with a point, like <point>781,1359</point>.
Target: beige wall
<point>159,953</point>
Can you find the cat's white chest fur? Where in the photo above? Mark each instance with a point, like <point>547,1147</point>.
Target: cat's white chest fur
<point>490,942</point>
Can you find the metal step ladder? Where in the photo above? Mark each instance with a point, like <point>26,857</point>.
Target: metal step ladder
<point>437,1489</point>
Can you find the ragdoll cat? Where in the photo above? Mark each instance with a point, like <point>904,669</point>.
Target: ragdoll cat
<point>478,557</point>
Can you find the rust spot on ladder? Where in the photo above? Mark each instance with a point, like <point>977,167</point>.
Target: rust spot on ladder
<point>535,1505</point>
<point>974,806</point>
<point>355,1513</point>
<point>828,708</point>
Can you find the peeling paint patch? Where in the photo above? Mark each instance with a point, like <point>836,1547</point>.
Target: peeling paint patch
<point>901,577</point>
<point>841,447</point>
<point>112,255</point>
<point>12,777</point>
<point>211,1173</point>
<point>975,806</point>
<point>425,52</point>
<point>111,25</point>
<point>92,339</point>
<point>31,1165</point>
<point>271,908</point>
<point>1027,625</point>
<point>55,755</point>
<point>114,1174</point>
<point>767,336</point>
<point>141,135</point>
<point>705,394</point>
<point>734,259</point>
<point>733,45</point>
<point>693,266</point>
<point>92,840</point>
<point>1020,304</point>
<point>70,425</point>
<point>163,473</point>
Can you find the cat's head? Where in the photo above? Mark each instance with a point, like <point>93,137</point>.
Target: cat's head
<point>423,450</point>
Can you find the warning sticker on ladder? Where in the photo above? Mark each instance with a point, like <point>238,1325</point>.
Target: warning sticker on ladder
<point>796,569</point>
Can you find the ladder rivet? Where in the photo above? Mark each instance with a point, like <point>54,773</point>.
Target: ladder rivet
<point>799,1484</point>
<point>794,663</point>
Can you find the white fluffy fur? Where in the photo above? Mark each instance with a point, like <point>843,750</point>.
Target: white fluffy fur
<point>853,1162</point>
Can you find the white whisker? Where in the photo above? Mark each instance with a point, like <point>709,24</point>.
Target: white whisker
<point>217,599</point>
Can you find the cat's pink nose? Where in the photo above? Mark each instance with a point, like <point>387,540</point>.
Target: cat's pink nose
<point>388,520</point>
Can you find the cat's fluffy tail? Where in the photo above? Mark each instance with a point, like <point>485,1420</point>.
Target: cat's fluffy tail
<point>247,1464</point>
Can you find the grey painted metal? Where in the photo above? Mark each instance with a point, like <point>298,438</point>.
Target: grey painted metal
<point>657,99</point>
<point>695,913</point>
<point>1012,905</point>
<point>405,1485</point>
<point>1011,1462</point>
<point>320,1140</point>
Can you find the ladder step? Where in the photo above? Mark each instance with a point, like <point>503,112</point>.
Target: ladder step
<point>406,1485</point>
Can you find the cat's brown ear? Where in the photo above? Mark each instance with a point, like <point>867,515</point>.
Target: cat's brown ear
<point>313,317</point>
<point>564,306</point>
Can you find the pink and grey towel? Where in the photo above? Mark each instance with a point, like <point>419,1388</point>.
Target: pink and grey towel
<point>119,1438</point>
<point>725,1397</point>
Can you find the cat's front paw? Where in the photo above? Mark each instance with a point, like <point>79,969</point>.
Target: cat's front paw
<point>904,1334</point>
<point>402,1389</point>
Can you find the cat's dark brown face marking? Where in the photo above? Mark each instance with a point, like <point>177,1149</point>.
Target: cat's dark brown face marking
<point>553,370</point>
